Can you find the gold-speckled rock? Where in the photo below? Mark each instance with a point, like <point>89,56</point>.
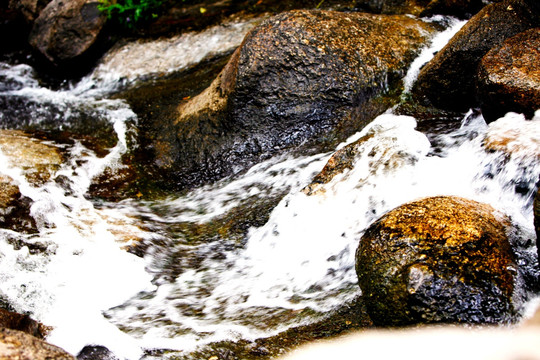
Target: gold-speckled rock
<point>37,159</point>
<point>438,259</point>
<point>17,345</point>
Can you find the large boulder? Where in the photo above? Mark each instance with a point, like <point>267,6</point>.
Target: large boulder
<point>447,81</point>
<point>439,259</point>
<point>65,30</point>
<point>509,77</point>
<point>458,8</point>
<point>29,9</point>
<point>17,345</point>
<point>300,78</point>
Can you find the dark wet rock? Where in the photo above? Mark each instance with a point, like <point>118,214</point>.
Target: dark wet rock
<point>462,9</point>
<point>448,80</point>
<point>536,208</point>
<point>29,9</point>
<point>65,30</point>
<point>302,78</point>
<point>439,259</point>
<point>20,322</point>
<point>509,77</point>
<point>17,345</point>
<point>96,352</point>
<point>14,208</point>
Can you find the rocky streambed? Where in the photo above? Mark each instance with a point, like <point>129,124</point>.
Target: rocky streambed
<point>277,176</point>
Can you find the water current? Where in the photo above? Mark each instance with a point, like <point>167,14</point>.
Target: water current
<point>295,268</point>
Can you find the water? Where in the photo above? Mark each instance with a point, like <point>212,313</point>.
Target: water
<point>183,292</point>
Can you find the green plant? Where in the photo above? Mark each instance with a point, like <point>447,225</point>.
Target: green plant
<point>130,12</point>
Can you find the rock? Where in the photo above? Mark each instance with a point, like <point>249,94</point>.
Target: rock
<point>66,30</point>
<point>448,80</point>
<point>17,345</point>
<point>439,259</point>
<point>458,8</point>
<point>95,352</point>
<point>20,322</point>
<point>462,9</point>
<point>29,9</point>
<point>536,208</point>
<point>448,342</point>
<point>509,77</point>
<point>387,146</point>
<point>302,78</point>
<point>39,161</point>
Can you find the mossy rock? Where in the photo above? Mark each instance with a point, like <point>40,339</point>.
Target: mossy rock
<point>437,260</point>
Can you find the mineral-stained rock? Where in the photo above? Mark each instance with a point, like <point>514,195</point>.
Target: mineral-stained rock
<point>448,80</point>
<point>509,77</point>
<point>458,8</point>
<point>20,322</point>
<point>439,259</point>
<point>302,78</point>
<point>37,160</point>
<point>17,345</point>
<point>66,29</point>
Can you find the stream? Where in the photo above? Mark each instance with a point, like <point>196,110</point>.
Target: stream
<point>185,292</point>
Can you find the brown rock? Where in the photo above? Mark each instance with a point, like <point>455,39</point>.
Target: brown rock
<point>448,80</point>
<point>66,29</point>
<point>17,345</point>
<point>439,259</point>
<point>30,9</point>
<point>20,322</point>
<point>308,78</point>
<point>509,77</point>
<point>39,161</point>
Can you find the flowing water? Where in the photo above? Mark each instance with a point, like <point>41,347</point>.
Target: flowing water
<point>184,292</point>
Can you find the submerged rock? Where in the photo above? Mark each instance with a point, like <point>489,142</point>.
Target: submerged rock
<point>17,345</point>
<point>509,77</point>
<point>65,30</point>
<point>439,259</point>
<point>302,78</point>
<point>447,81</point>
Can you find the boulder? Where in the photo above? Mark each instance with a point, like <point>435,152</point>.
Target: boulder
<point>509,77</point>
<point>302,78</point>
<point>437,260</point>
<point>459,8</point>
<point>65,30</point>
<point>29,9</point>
<point>20,322</point>
<point>17,345</point>
<point>447,81</point>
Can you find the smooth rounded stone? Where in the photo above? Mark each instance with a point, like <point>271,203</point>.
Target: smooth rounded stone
<point>65,30</point>
<point>448,80</point>
<point>437,260</point>
<point>17,345</point>
<point>301,78</point>
<point>509,77</point>
<point>96,352</point>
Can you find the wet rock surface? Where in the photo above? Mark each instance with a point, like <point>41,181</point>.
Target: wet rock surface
<point>440,259</point>
<point>65,30</point>
<point>302,78</point>
<point>20,322</point>
<point>448,81</point>
<point>509,77</point>
<point>17,345</point>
